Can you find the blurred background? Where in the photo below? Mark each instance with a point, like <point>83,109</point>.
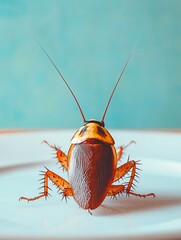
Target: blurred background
<point>90,40</point>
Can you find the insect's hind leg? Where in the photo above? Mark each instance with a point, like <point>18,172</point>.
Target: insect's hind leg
<point>115,190</point>
<point>61,184</point>
<point>124,169</point>
<point>61,156</point>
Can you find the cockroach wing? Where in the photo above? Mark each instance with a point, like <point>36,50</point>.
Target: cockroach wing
<point>91,171</point>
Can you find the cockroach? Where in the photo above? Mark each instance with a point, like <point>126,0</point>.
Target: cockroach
<point>91,162</point>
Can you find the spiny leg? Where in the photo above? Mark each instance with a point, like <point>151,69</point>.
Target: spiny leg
<point>115,190</point>
<point>61,156</point>
<point>120,150</point>
<point>124,169</point>
<point>61,184</point>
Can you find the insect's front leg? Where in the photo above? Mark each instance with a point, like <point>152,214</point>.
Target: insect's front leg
<point>120,150</point>
<point>61,156</point>
<point>123,170</point>
<point>61,184</point>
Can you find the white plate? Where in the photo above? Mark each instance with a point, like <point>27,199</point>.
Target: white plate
<point>22,156</point>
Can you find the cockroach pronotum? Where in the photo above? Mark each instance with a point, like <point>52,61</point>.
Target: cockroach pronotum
<point>91,162</point>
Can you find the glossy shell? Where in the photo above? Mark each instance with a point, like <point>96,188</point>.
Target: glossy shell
<point>91,171</point>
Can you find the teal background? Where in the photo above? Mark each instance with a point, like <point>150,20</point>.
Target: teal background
<point>89,41</point>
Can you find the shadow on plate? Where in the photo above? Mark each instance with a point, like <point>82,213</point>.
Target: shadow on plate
<point>128,205</point>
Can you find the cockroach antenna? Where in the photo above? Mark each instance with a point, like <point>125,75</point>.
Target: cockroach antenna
<point>63,80</point>
<point>120,76</point>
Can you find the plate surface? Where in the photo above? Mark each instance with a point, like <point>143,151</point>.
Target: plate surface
<point>22,156</point>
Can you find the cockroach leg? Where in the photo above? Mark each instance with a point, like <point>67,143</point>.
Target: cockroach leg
<point>142,195</point>
<point>120,150</point>
<point>61,156</point>
<point>115,190</point>
<point>60,183</point>
<point>123,170</point>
